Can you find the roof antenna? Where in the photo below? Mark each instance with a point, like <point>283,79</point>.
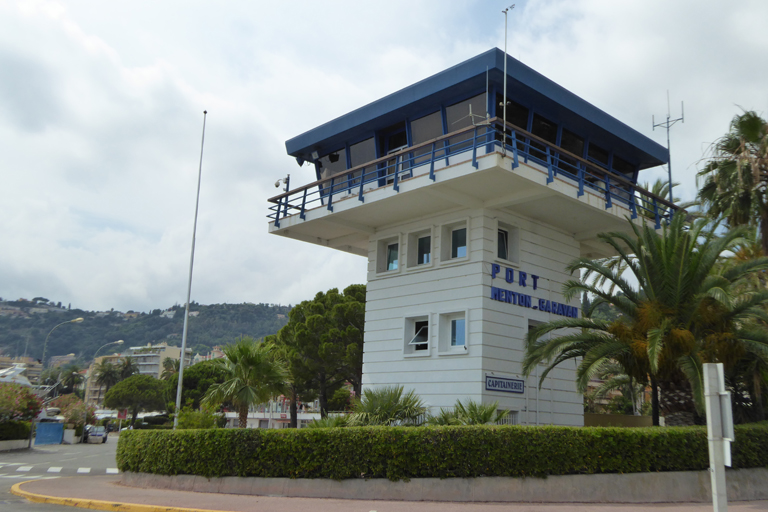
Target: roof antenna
<point>668,124</point>
<point>504,107</point>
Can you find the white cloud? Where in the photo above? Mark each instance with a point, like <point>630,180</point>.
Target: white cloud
<point>101,112</point>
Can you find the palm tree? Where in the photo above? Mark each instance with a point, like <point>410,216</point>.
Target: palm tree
<point>387,406</point>
<point>680,307</point>
<point>170,367</point>
<point>107,374</point>
<point>469,413</point>
<point>127,368</point>
<point>254,375</point>
<point>736,176</point>
<point>71,377</point>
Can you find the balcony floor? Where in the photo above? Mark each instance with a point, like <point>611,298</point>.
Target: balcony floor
<point>493,185</point>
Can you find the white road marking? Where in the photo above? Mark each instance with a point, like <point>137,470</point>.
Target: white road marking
<point>29,477</point>
<point>13,463</point>
<point>83,470</point>
<point>24,468</point>
<point>54,469</point>
<point>112,471</point>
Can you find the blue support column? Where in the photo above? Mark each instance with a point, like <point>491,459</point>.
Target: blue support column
<point>632,202</point>
<point>515,159</point>
<point>550,173</point>
<point>474,148</point>
<point>656,213</point>
<point>395,183</point>
<point>580,168</point>
<point>277,212</point>
<point>303,205</point>
<point>330,196</point>
<point>432,164</point>
<point>608,202</point>
<point>362,181</point>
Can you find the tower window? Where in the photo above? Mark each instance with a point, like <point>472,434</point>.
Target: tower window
<point>459,243</point>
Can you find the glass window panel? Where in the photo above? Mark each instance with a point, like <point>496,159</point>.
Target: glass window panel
<point>621,166</point>
<point>571,142</point>
<point>547,130</point>
<point>392,256</point>
<point>457,332</point>
<point>359,154</point>
<point>459,243</point>
<point>458,116</point>
<point>424,250</point>
<point>421,337</point>
<point>598,154</point>
<point>503,243</point>
<point>424,129</point>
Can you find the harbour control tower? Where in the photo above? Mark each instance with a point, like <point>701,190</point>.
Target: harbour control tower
<point>468,213</point>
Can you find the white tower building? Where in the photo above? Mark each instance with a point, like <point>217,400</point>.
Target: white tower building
<point>467,232</point>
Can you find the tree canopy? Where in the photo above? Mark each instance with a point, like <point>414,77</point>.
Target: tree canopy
<point>323,342</point>
<point>198,378</point>
<point>136,393</point>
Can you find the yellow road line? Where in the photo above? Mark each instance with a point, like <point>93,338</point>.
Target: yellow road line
<point>98,504</point>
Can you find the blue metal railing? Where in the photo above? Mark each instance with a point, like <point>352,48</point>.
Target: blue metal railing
<point>465,145</point>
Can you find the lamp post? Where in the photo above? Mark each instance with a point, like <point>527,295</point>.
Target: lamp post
<point>45,345</point>
<point>85,389</point>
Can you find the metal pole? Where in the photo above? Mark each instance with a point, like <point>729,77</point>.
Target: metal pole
<point>715,436</point>
<point>189,286</point>
<point>504,106</point>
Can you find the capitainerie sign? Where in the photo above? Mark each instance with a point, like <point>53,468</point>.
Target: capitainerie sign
<point>504,385</point>
<point>525,300</point>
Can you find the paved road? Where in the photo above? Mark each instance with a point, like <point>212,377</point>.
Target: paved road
<point>52,462</point>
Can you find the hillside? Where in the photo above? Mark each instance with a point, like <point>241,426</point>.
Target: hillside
<point>25,324</point>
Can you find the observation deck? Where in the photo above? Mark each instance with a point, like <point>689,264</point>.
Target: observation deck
<point>442,145</point>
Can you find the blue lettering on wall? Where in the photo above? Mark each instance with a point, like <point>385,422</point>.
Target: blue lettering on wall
<point>526,301</point>
<point>505,385</point>
<point>510,277</point>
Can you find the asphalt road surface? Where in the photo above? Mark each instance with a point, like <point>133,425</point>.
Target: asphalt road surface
<point>52,461</point>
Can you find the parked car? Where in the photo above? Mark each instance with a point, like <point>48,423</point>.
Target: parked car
<point>97,434</point>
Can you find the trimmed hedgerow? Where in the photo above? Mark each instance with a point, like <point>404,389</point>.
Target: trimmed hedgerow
<point>401,453</point>
<point>14,430</point>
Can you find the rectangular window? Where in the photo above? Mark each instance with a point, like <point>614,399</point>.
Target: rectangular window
<point>420,339</point>
<point>359,154</point>
<point>423,129</point>
<point>457,332</point>
<point>503,244</point>
<point>392,256</point>
<point>572,143</point>
<point>462,115</point>
<point>597,154</point>
<point>424,250</point>
<point>459,243</point>
<point>545,129</point>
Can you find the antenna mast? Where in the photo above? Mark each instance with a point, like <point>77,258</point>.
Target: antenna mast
<point>504,107</point>
<point>668,124</point>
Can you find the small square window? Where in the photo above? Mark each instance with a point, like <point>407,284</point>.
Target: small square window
<point>392,256</point>
<point>457,332</point>
<point>388,255</point>
<point>459,243</point>
<point>416,336</point>
<point>424,255</point>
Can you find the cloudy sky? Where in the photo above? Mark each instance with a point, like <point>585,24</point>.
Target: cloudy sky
<point>101,115</point>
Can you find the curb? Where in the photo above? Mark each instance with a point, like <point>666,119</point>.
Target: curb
<point>98,504</point>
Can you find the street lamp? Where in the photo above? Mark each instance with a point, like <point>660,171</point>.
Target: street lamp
<point>45,345</point>
<point>85,392</point>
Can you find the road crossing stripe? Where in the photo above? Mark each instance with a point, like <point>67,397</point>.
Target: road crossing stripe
<point>83,470</point>
<point>54,470</point>
<point>112,471</point>
<point>24,468</point>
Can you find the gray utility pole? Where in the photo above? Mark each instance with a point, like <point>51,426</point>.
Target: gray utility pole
<point>668,124</point>
<point>719,431</point>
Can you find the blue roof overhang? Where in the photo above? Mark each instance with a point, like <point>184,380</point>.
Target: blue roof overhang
<point>524,85</point>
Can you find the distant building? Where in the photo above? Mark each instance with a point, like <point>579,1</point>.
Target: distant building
<point>94,393</point>
<point>56,361</point>
<point>150,358</point>
<point>168,314</point>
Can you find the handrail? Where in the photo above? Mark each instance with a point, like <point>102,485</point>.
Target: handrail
<point>495,120</point>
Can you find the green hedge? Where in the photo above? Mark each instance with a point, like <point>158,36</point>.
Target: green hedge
<point>401,453</point>
<point>13,430</point>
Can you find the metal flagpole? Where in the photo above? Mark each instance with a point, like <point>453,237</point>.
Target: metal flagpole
<point>189,287</point>
<point>668,124</point>
<point>504,107</point>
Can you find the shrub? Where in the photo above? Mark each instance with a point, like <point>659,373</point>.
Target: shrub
<point>400,453</point>
<point>74,410</point>
<point>18,403</point>
<point>204,418</point>
<point>13,430</point>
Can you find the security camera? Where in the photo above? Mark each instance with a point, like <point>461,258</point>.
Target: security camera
<point>277,184</point>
